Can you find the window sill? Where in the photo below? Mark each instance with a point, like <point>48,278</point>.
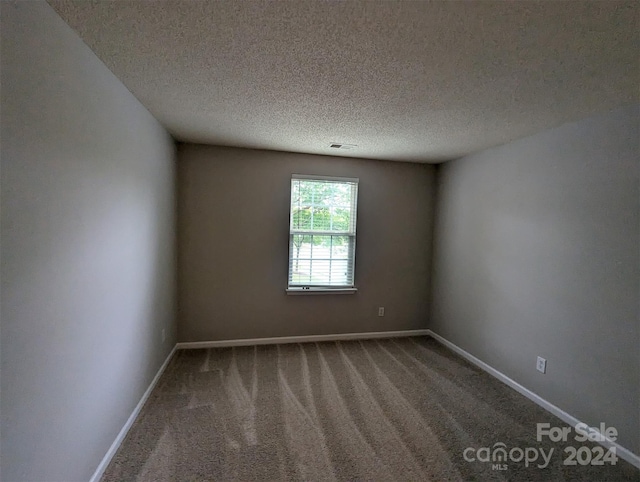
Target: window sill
<point>321,291</point>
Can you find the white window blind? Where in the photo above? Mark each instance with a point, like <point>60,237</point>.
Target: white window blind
<point>322,232</point>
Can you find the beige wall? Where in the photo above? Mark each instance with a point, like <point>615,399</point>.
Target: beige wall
<point>87,250</point>
<point>536,253</point>
<point>233,246</point>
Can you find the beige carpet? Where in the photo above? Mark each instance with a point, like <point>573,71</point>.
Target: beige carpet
<point>401,409</point>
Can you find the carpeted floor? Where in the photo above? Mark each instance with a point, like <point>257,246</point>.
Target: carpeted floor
<point>401,409</point>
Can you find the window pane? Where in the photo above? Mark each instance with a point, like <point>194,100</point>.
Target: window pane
<point>321,270</point>
<point>306,192</point>
<point>339,274</point>
<point>295,192</point>
<point>300,269</point>
<point>341,219</point>
<point>321,219</point>
<point>340,247</point>
<point>320,260</point>
<point>322,205</point>
<point>301,218</point>
<point>301,246</point>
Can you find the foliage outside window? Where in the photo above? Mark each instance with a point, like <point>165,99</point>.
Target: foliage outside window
<point>322,233</point>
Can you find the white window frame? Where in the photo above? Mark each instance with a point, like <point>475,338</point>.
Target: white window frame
<point>314,289</point>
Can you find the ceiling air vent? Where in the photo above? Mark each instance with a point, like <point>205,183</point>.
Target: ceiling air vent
<point>338,145</point>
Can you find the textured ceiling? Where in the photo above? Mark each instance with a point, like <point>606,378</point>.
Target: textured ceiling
<point>415,81</point>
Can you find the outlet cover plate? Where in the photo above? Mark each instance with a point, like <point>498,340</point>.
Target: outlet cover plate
<point>541,365</point>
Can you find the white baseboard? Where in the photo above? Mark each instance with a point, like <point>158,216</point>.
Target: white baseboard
<point>123,432</point>
<point>300,339</point>
<point>621,452</point>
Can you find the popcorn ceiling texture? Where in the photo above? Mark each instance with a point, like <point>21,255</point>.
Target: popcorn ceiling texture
<point>413,81</point>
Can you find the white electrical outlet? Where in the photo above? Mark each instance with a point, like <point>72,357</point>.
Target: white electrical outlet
<point>381,311</point>
<point>164,335</point>
<point>541,365</point>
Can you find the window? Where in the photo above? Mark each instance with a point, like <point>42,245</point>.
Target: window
<point>322,233</point>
